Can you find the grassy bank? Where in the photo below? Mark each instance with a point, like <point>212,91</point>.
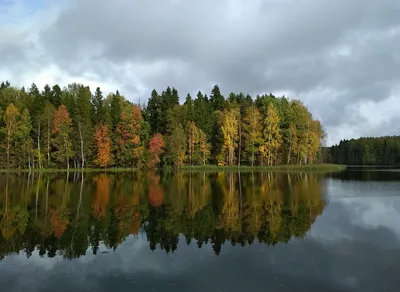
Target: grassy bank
<point>309,167</point>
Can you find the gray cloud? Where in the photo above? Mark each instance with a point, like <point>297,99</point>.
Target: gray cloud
<point>334,55</point>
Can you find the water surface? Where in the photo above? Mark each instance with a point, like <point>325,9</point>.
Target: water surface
<point>200,231</point>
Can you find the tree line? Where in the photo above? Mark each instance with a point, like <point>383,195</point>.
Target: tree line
<point>366,151</point>
<point>73,127</point>
<point>53,213</point>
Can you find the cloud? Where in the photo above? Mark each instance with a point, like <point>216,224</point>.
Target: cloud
<point>340,57</point>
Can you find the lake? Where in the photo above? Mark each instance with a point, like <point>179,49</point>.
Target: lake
<point>224,231</point>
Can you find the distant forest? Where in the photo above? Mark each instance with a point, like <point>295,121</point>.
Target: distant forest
<point>69,127</point>
<point>366,151</point>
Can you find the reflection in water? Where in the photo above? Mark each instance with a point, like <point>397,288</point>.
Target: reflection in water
<point>70,214</point>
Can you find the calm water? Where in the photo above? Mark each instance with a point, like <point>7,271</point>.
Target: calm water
<point>200,232</point>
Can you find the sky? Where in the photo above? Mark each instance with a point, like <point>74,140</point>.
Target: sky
<point>340,57</point>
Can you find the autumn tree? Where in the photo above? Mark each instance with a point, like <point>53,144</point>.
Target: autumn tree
<point>25,140</point>
<point>102,141</point>
<point>176,146</point>
<point>238,129</point>
<point>193,139</point>
<point>292,137</point>
<point>252,127</point>
<point>47,120</point>
<point>204,147</point>
<point>156,193</point>
<point>62,127</point>
<point>128,131</point>
<point>271,135</point>
<point>11,119</point>
<point>156,148</point>
<point>84,122</point>
<point>36,110</point>
<point>101,196</point>
<point>229,127</point>
<point>314,141</point>
<point>302,121</point>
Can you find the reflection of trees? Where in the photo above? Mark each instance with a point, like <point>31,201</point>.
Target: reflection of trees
<point>53,213</point>
<point>156,193</point>
<point>229,215</point>
<point>101,196</point>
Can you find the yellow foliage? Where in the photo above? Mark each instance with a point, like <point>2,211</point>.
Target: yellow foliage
<point>271,135</point>
<point>229,127</point>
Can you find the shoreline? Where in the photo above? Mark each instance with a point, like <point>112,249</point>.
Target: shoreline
<point>308,167</point>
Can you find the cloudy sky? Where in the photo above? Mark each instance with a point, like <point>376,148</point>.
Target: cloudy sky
<point>341,57</point>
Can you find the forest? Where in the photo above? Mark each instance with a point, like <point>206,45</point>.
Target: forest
<point>74,214</point>
<point>367,151</point>
<point>72,127</point>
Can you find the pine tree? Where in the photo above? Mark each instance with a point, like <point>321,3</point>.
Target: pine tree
<point>154,109</point>
<point>83,120</point>
<point>47,120</point>
<point>216,99</point>
<point>189,103</point>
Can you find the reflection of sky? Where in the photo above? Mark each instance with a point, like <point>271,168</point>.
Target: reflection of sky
<point>353,246</point>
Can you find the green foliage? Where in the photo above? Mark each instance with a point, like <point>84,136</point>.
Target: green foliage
<point>216,137</point>
<point>366,151</point>
<point>58,215</point>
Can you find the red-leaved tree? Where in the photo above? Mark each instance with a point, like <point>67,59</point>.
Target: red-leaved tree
<point>156,148</point>
<point>102,140</point>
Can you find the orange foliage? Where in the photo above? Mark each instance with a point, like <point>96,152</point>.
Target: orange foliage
<point>102,141</point>
<point>61,119</point>
<point>156,146</point>
<point>130,124</point>
<point>156,193</point>
<point>59,222</point>
<point>101,197</point>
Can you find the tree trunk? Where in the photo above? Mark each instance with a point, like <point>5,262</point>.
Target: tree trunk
<point>240,142</point>
<point>8,147</point>
<point>48,142</point>
<point>290,150</point>
<point>306,154</point>
<point>190,148</point>
<point>66,155</point>
<point>252,155</point>
<point>82,152</point>
<point>38,146</point>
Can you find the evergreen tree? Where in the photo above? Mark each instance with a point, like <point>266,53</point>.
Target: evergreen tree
<point>199,131</point>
